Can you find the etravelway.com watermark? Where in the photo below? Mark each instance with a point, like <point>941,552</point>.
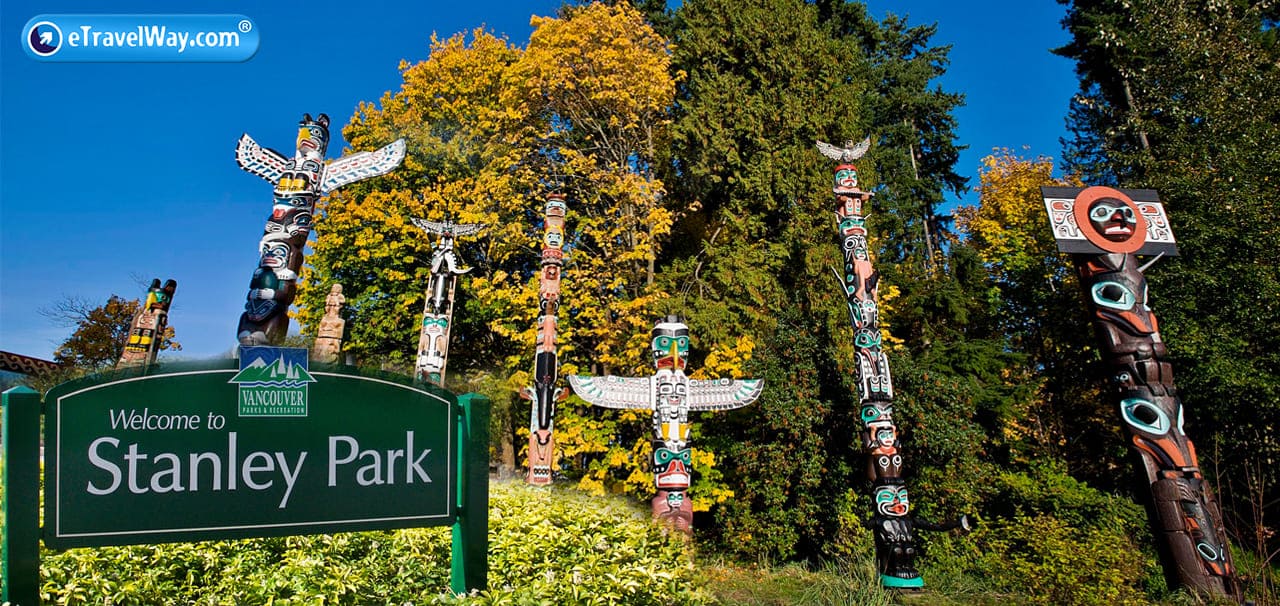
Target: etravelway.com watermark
<point>143,38</point>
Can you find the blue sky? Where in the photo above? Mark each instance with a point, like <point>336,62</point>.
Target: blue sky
<point>115,170</point>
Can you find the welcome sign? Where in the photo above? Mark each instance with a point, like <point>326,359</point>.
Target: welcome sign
<point>261,448</point>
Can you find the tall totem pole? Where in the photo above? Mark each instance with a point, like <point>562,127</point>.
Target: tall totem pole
<point>670,395</point>
<point>437,313</point>
<point>299,182</point>
<point>892,523</point>
<point>544,394</point>
<point>147,330</point>
<point>1104,230</point>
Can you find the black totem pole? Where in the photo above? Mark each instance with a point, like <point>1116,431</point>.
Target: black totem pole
<point>892,523</point>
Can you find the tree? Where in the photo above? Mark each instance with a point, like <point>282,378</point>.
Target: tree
<point>1038,309</point>
<point>491,129</point>
<point>1184,97</point>
<point>766,79</point>
<point>100,331</point>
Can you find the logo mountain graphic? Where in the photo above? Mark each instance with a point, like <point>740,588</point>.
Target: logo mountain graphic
<point>273,382</point>
<point>280,373</point>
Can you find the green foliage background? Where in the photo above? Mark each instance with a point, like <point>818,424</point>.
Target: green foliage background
<point>697,190</point>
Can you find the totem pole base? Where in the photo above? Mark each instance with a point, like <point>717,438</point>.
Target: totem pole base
<point>897,583</point>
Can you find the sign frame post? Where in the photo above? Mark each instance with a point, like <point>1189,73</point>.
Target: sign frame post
<point>21,508</point>
<point>470,556</point>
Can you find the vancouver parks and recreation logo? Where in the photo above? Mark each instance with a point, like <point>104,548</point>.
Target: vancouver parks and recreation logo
<point>143,38</point>
<point>273,382</point>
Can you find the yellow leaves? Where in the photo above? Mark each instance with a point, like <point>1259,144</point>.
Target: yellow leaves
<point>726,360</point>
<point>1009,227</point>
<point>885,296</point>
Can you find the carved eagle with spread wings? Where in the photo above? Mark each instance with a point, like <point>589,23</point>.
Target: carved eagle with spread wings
<point>637,392</point>
<point>271,164</point>
<point>448,227</point>
<point>846,154</point>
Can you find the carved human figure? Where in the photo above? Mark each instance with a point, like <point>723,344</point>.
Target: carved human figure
<point>1112,227</point>
<point>329,335</point>
<point>544,394</point>
<point>146,331</point>
<point>670,395</point>
<point>298,183</point>
<point>894,530</point>
<point>437,315</point>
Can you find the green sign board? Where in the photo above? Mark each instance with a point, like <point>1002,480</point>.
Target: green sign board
<point>224,450</point>
<point>194,454</point>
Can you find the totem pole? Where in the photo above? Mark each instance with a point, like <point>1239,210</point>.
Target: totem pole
<point>1104,230</point>
<point>892,524</point>
<point>437,313</point>
<point>329,336</point>
<point>147,330</point>
<point>299,182</point>
<point>670,395</point>
<point>544,394</point>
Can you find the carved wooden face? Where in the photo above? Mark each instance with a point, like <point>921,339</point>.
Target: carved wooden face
<point>671,468</point>
<point>892,501</point>
<point>846,177</point>
<point>1113,219</point>
<point>275,254</point>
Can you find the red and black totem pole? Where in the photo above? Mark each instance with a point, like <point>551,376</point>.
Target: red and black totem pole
<point>544,394</point>
<point>892,523</point>
<point>1105,230</point>
<point>299,182</point>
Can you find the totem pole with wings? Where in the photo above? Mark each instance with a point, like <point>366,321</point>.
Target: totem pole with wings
<point>670,395</point>
<point>299,182</point>
<point>437,313</point>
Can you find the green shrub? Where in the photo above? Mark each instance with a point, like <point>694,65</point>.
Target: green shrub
<point>554,546</point>
<point>1050,539</point>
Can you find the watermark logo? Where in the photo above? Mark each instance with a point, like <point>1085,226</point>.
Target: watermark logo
<point>141,38</point>
<point>44,38</point>
<point>273,382</point>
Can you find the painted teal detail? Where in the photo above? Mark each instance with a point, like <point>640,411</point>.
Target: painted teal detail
<point>1131,407</point>
<point>1113,295</point>
<point>1207,551</point>
<point>897,583</point>
<point>867,338</point>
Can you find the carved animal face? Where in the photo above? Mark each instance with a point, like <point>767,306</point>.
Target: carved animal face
<point>313,136</point>
<point>670,345</point>
<point>671,468</point>
<point>892,501</point>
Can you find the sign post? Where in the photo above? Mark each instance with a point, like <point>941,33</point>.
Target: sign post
<point>471,532</point>
<point>20,570</point>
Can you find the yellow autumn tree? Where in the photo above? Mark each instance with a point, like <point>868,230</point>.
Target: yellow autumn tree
<point>598,80</point>
<point>1039,306</point>
<point>491,129</point>
<point>1008,228</point>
